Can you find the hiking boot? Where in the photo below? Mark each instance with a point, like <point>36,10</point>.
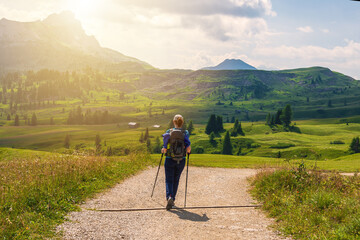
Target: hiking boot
<point>170,203</point>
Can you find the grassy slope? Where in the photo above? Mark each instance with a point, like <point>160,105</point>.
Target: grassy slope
<point>39,188</point>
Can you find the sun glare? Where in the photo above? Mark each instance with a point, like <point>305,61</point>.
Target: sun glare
<point>82,8</point>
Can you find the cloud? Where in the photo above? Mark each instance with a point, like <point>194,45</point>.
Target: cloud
<point>325,30</point>
<point>243,8</point>
<point>306,29</point>
<point>340,58</point>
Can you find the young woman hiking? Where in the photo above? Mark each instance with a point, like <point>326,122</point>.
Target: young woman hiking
<point>176,145</point>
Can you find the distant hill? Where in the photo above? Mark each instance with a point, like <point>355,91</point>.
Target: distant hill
<point>238,85</point>
<point>231,64</point>
<point>58,42</point>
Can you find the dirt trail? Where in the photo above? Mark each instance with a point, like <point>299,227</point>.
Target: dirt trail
<point>206,187</point>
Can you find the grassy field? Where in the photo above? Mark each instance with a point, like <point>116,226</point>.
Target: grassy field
<point>38,189</point>
<point>311,204</point>
<point>41,180</point>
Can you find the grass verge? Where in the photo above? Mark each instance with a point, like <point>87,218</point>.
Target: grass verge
<point>311,204</point>
<point>36,193</point>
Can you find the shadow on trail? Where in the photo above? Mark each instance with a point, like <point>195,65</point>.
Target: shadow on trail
<point>186,215</point>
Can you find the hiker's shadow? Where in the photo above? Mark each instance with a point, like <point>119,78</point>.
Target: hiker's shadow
<point>183,214</point>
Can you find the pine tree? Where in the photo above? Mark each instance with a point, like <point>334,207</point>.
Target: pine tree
<point>286,115</point>
<point>157,147</point>
<point>67,141</point>
<point>211,125</point>
<point>141,139</point>
<point>239,151</point>
<point>277,116</point>
<point>148,145</point>
<point>146,136</point>
<point>355,145</point>
<point>16,122</point>
<point>219,124</point>
<point>272,122</point>
<point>227,146</point>
<point>232,119</point>
<point>212,137</point>
<point>268,119</point>
<point>190,127</point>
<point>234,130</point>
<point>239,130</point>
<point>33,120</point>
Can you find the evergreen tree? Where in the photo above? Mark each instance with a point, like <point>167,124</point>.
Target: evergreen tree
<point>219,124</point>
<point>67,141</point>
<point>268,119</point>
<point>239,151</point>
<point>33,120</point>
<point>234,130</point>
<point>231,103</point>
<point>212,137</point>
<point>239,130</point>
<point>98,143</point>
<point>277,116</point>
<point>345,102</point>
<point>141,139</point>
<point>157,147</point>
<point>272,122</point>
<point>146,136</point>
<point>307,99</point>
<point>148,145</point>
<point>190,127</point>
<point>355,145</point>
<point>286,115</point>
<point>232,119</point>
<point>16,122</point>
<point>227,119</point>
<point>211,125</point>
<point>227,146</point>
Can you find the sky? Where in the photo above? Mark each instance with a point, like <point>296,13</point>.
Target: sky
<point>191,34</point>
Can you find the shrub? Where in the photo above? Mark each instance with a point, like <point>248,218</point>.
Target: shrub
<point>282,145</point>
<point>199,150</point>
<point>337,142</point>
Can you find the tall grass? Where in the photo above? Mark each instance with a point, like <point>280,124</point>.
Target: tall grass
<point>36,194</point>
<point>311,204</point>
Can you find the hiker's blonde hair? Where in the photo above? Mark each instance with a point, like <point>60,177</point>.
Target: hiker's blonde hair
<point>178,120</point>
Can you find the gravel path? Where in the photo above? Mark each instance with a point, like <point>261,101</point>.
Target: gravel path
<point>206,187</point>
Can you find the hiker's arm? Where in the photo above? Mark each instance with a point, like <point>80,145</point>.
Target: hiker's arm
<point>166,138</point>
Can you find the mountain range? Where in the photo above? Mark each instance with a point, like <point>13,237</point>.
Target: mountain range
<point>57,42</point>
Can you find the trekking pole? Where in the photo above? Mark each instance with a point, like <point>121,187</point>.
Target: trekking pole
<point>157,174</point>
<point>187,174</point>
